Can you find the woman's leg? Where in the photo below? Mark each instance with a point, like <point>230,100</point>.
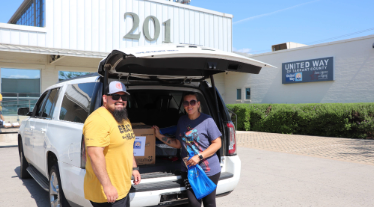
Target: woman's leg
<point>210,200</point>
<point>193,202</point>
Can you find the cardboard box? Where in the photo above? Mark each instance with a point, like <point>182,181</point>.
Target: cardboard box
<point>144,145</point>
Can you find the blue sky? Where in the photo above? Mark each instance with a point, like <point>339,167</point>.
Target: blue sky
<point>260,24</point>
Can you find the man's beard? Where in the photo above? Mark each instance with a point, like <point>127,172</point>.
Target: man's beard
<point>119,114</point>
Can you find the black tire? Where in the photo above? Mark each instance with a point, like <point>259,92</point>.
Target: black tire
<point>23,163</point>
<point>56,194</point>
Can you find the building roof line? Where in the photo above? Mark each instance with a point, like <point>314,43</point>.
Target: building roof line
<point>23,27</point>
<point>194,8</point>
<point>313,46</point>
<point>50,51</point>
<point>27,3</point>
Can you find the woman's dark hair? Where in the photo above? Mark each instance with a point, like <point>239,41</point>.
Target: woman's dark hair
<point>191,94</point>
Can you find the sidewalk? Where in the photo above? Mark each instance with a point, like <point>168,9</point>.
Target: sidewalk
<point>344,149</point>
<point>8,139</point>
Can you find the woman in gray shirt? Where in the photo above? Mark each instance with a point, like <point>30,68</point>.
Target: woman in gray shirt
<point>197,133</point>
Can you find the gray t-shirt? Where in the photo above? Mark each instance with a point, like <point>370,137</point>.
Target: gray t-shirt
<point>196,136</point>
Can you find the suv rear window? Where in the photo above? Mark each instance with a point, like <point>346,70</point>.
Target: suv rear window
<point>76,104</point>
<point>159,107</point>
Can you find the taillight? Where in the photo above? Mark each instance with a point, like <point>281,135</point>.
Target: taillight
<point>232,141</point>
<point>83,154</point>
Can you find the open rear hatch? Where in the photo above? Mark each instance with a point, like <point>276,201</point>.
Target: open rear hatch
<point>175,62</point>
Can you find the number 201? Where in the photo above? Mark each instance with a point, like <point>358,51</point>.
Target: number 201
<point>135,25</point>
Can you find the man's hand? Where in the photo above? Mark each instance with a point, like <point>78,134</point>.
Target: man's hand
<point>137,177</point>
<point>111,193</point>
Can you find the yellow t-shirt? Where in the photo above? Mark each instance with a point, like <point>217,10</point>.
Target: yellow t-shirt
<point>1,99</point>
<point>101,130</point>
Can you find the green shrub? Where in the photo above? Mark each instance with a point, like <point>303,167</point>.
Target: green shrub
<point>243,116</point>
<point>335,120</point>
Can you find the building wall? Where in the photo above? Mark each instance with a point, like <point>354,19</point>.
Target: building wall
<point>22,35</point>
<point>48,72</point>
<point>354,75</point>
<point>100,25</point>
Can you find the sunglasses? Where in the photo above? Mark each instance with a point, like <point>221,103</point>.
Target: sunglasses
<point>116,97</point>
<point>192,102</point>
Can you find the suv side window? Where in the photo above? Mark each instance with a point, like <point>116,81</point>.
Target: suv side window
<point>76,103</point>
<point>50,104</point>
<point>38,109</point>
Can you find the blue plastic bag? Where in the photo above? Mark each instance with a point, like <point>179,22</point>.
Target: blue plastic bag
<point>199,181</point>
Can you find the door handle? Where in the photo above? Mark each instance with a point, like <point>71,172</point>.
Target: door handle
<point>32,127</point>
<point>43,130</point>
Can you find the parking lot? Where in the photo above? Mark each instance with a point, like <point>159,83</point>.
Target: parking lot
<point>277,170</point>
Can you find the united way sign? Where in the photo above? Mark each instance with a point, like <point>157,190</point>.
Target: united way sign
<point>314,70</point>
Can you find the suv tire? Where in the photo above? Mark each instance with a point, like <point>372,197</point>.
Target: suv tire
<point>23,164</point>
<point>56,194</point>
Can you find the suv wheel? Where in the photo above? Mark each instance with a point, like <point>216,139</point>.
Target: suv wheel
<point>23,164</point>
<point>56,194</point>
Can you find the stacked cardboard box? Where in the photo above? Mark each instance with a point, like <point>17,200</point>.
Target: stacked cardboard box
<point>144,145</point>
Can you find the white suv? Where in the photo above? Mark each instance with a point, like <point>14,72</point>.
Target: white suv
<point>50,141</point>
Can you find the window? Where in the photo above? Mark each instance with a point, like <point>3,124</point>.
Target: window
<point>76,103</point>
<point>64,75</point>
<point>38,109</point>
<point>247,93</point>
<point>33,15</point>
<point>50,104</point>
<point>19,88</point>
<point>239,94</point>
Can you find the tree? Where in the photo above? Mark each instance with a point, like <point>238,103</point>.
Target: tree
<point>64,75</point>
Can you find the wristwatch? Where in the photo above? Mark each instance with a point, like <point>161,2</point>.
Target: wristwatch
<point>201,156</point>
<point>135,168</point>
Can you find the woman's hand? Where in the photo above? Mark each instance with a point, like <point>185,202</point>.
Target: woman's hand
<point>193,161</point>
<point>157,132</point>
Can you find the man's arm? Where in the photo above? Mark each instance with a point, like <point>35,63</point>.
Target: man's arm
<point>135,173</point>
<point>98,162</point>
<point>175,143</point>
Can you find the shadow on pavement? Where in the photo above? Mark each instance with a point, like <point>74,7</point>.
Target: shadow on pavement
<point>361,147</point>
<point>41,196</point>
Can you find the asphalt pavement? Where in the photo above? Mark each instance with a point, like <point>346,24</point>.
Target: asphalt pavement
<point>277,170</point>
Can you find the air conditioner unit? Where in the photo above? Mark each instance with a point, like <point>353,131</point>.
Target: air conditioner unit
<point>285,46</point>
<point>183,1</point>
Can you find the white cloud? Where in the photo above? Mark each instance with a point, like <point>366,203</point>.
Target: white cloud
<point>19,76</point>
<point>243,51</point>
<point>271,13</point>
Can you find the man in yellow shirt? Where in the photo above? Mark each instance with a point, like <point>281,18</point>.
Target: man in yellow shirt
<point>109,140</point>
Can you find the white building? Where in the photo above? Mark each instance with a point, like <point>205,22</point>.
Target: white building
<point>74,35</point>
<point>349,78</point>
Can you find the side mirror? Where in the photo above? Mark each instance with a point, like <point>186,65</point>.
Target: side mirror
<point>24,111</point>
